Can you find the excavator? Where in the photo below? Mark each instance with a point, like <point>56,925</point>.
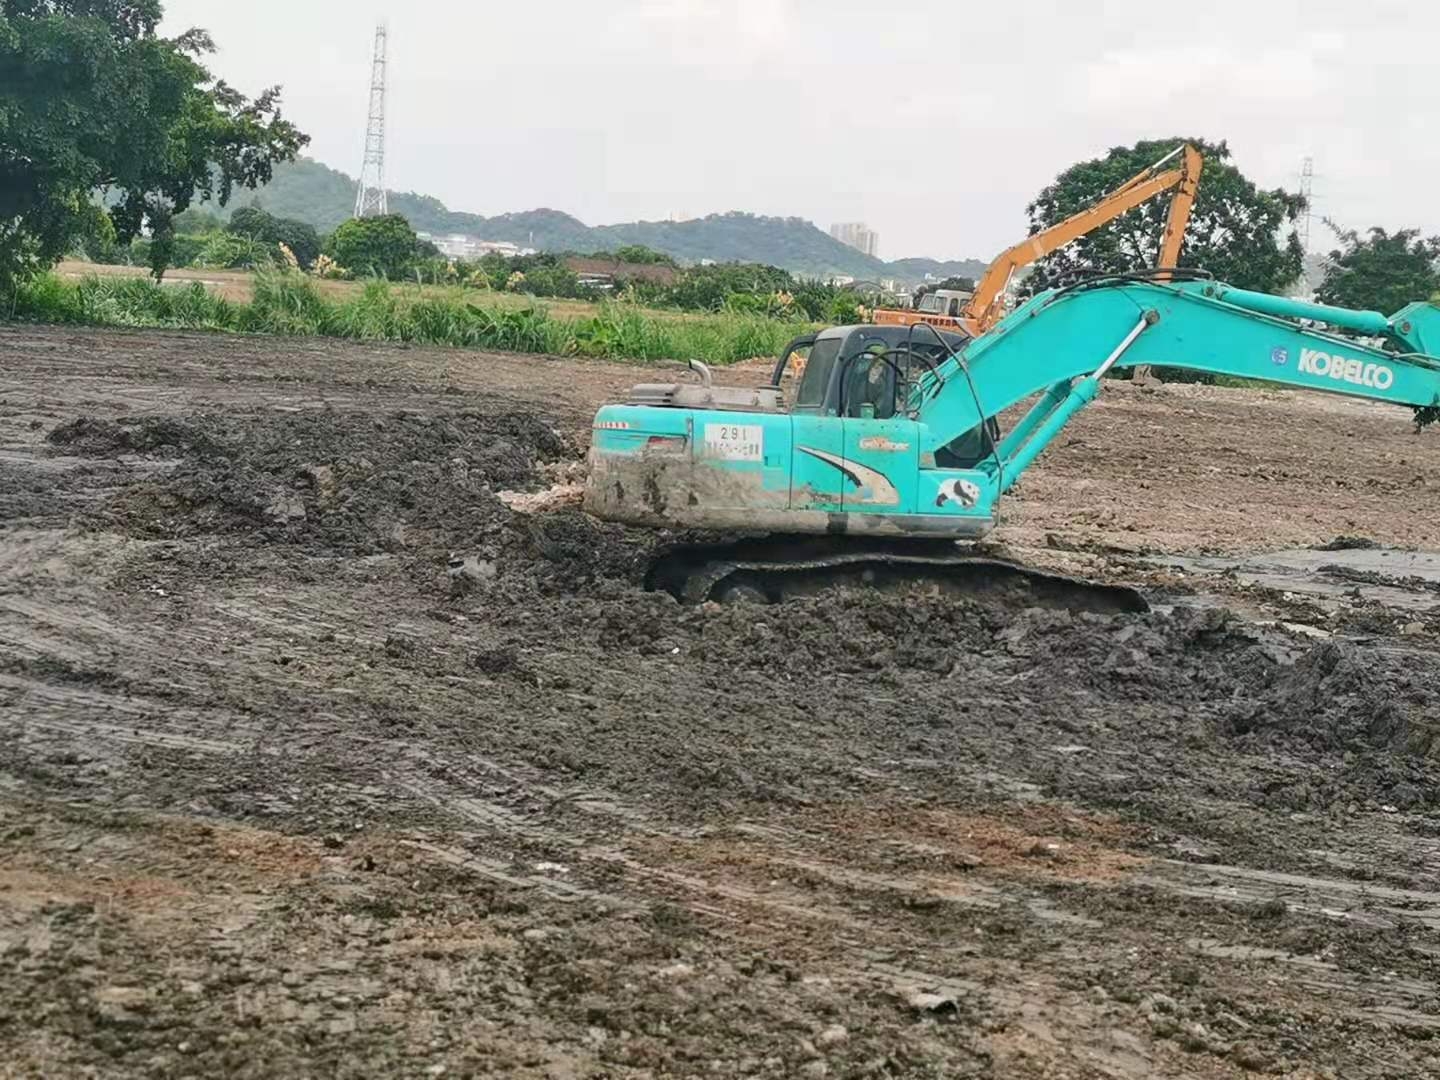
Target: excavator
<point>888,459</point>
<point>977,312</point>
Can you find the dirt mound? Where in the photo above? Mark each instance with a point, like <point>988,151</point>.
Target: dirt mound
<point>574,550</point>
<point>352,482</point>
<point>94,437</point>
<point>1372,715</point>
<point>844,633</point>
<point>1346,542</point>
<point>1186,696</point>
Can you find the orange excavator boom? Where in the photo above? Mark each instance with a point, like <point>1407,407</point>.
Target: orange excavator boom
<point>1181,204</point>
<point>985,309</point>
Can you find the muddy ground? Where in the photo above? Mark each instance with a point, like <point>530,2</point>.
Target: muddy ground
<point>280,795</point>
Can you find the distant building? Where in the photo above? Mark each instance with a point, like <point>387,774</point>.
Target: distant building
<point>461,246</point>
<point>603,273</point>
<point>858,235</point>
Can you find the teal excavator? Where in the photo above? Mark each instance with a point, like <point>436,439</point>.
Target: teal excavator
<point>889,456</point>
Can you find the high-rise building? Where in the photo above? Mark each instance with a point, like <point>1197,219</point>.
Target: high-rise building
<point>858,235</point>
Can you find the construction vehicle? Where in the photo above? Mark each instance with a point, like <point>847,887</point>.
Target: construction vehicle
<point>889,452</point>
<point>943,308</point>
<point>976,312</point>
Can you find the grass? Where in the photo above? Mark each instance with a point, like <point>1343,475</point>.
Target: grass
<point>293,305</point>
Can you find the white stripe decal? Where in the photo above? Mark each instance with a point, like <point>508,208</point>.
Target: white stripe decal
<point>881,491</point>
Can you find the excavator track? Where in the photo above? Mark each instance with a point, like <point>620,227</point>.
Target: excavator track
<point>782,569</point>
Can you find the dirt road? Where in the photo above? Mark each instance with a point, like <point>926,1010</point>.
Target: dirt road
<point>281,796</point>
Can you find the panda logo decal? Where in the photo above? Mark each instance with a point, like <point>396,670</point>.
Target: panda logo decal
<point>958,491</point>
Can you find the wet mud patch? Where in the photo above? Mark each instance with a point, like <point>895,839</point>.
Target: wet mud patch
<point>92,436</point>
<point>1130,711</point>
<point>1370,717</point>
<point>351,482</point>
<point>570,551</point>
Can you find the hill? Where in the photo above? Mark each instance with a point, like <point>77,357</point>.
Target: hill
<point>324,197</point>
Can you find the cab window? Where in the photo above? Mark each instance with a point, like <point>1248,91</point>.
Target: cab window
<point>870,380</point>
<point>819,367</point>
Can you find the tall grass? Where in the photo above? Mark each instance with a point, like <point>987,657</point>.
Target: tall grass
<point>287,304</point>
<point>290,304</point>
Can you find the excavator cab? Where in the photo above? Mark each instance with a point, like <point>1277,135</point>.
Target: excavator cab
<point>857,371</point>
<point>867,372</point>
<point>947,302</point>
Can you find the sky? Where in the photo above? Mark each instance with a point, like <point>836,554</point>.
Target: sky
<point>933,123</point>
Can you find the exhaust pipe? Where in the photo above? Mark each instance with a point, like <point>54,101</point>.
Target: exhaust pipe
<point>703,370</point>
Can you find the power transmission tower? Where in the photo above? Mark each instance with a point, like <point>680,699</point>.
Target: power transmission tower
<point>370,198</point>
<point>1307,190</point>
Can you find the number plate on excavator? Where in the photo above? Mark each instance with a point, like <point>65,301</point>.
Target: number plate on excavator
<point>735,442</point>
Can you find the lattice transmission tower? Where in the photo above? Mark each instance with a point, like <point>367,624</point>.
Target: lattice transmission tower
<point>370,197</point>
<point>1307,189</point>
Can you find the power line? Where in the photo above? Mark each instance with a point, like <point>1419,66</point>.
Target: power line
<point>370,197</point>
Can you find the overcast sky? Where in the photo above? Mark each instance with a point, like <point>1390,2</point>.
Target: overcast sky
<point>935,124</point>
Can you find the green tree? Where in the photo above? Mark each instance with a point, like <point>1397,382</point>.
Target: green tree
<point>557,281</point>
<point>197,221</point>
<point>94,235</point>
<point>230,251</point>
<point>1234,233</point>
<point>640,255</point>
<point>301,239</point>
<point>187,248</point>
<point>708,288</point>
<point>1381,271</point>
<point>376,246</point>
<point>91,98</point>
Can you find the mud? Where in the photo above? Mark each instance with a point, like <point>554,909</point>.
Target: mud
<point>351,483</point>
<point>319,760</point>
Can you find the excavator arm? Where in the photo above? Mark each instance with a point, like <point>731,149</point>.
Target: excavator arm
<point>1061,343</point>
<point>984,309</point>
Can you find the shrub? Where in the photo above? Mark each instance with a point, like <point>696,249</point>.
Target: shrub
<point>302,240</point>
<point>287,302</point>
<point>383,247</point>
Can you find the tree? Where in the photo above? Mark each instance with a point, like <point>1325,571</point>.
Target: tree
<point>1382,271</point>
<point>301,239</point>
<point>197,220</point>
<point>91,98</point>
<point>1234,232</point>
<point>228,251</point>
<point>640,255</point>
<point>707,288</point>
<point>377,246</point>
<point>94,235</point>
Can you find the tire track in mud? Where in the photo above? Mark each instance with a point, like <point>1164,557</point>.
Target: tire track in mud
<point>453,786</point>
<point>583,822</point>
<point>736,912</point>
<point>1361,903</point>
<point>489,801</point>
